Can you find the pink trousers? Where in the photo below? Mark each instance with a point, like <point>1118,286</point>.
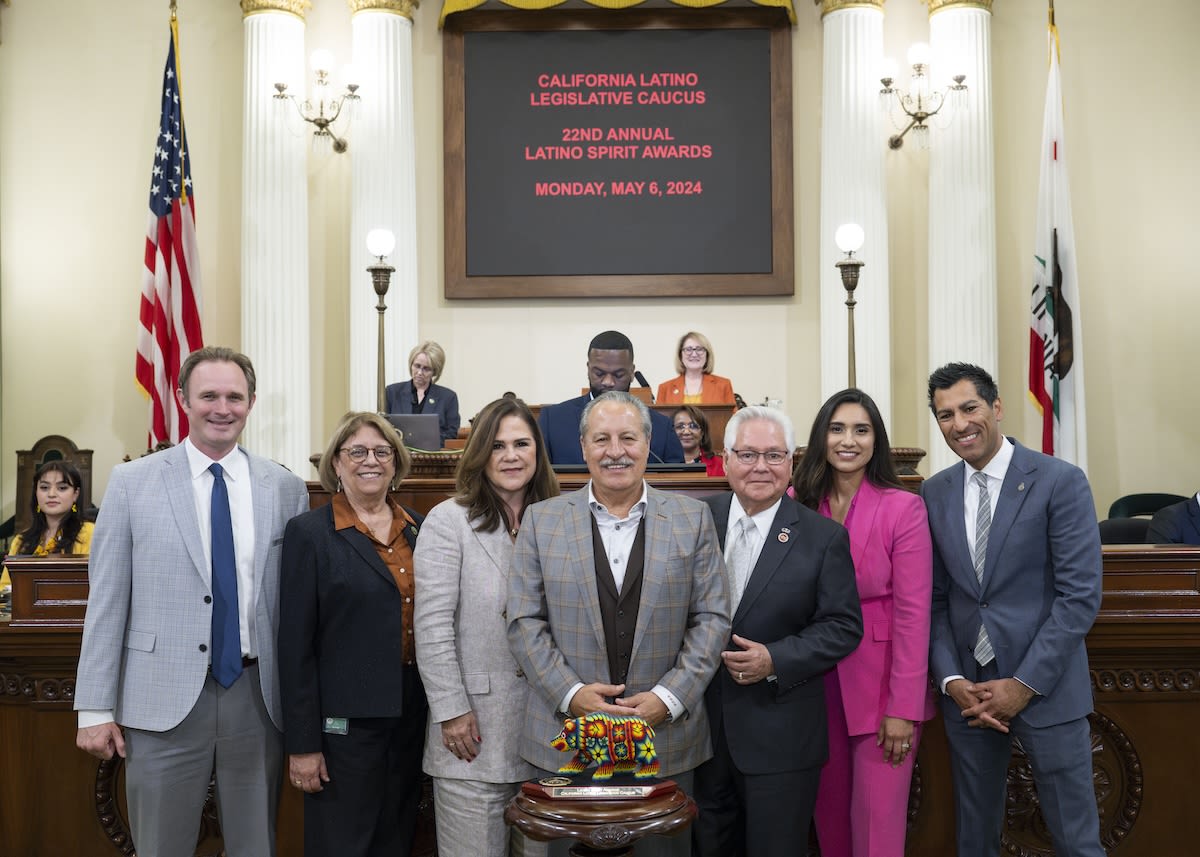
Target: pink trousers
<point>862,801</point>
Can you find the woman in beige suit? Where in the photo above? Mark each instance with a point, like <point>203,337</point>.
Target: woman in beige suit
<point>476,691</point>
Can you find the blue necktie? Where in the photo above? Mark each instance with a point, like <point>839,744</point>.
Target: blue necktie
<point>226,630</point>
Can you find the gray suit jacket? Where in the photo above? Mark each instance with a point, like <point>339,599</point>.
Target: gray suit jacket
<point>149,615</point>
<point>462,651</point>
<point>555,629</point>
<point>1041,584</point>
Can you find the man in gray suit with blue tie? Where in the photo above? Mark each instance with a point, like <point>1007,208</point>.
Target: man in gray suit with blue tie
<point>1016,587</point>
<point>177,671</point>
<point>618,602</point>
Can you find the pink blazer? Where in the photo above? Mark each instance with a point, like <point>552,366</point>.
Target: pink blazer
<point>888,674</point>
<point>715,391</point>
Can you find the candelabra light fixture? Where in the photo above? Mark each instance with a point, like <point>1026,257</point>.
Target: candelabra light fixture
<point>380,244</point>
<point>920,103</point>
<point>322,108</point>
<point>849,239</point>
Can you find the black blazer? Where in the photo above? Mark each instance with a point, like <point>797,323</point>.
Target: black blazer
<point>340,630</point>
<point>1177,524</point>
<point>560,430</point>
<point>438,400</point>
<point>801,601</point>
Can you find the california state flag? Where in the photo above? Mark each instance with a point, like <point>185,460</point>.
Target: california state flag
<point>1055,339</point>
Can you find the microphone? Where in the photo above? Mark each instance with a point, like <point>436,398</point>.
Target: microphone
<point>641,379</point>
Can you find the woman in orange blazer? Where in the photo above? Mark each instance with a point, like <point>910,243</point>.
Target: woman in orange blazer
<point>695,384</point>
<point>879,695</point>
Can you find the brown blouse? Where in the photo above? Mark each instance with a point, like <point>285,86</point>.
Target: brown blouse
<point>396,555</point>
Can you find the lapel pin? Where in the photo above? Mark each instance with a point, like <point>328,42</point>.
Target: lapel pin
<point>783,537</point>
<point>1021,487</point>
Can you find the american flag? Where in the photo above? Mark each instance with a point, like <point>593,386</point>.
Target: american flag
<point>169,318</point>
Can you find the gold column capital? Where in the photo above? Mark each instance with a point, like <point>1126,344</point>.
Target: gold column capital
<point>292,7</point>
<point>828,6</point>
<point>936,6</point>
<point>404,8</point>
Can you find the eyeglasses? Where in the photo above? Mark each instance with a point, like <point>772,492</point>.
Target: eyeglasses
<point>749,457</point>
<point>422,370</point>
<point>682,426</point>
<point>358,454</point>
<point>694,349</point>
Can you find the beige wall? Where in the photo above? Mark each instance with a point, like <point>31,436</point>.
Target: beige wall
<point>79,88</point>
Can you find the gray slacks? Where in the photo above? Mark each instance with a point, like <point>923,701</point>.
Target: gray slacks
<point>167,774</point>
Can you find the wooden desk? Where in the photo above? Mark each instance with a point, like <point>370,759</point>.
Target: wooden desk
<point>1144,651</point>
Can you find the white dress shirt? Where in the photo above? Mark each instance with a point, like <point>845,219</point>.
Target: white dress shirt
<point>995,471</point>
<point>241,512</point>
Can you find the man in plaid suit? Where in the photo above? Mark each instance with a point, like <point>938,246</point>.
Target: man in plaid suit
<point>618,602</point>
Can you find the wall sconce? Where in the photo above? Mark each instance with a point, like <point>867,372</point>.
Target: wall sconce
<point>322,108</point>
<point>919,103</point>
<point>849,239</point>
<point>380,244</point>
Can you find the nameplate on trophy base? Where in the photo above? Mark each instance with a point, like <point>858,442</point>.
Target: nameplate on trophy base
<point>619,788</point>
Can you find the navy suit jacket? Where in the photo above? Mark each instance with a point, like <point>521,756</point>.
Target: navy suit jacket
<point>1177,524</point>
<point>1041,583</point>
<point>801,602</point>
<point>340,635</point>
<point>560,428</point>
<point>438,400</point>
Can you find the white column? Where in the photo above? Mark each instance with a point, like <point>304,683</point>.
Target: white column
<point>853,190</point>
<point>962,208</point>
<point>275,301</point>
<point>383,192</point>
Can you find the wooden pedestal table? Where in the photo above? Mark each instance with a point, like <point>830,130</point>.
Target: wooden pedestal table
<point>600,826</point>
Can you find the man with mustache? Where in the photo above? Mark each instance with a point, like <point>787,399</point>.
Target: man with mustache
<point>618,602</point>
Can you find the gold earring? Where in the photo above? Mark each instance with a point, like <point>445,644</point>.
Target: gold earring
<point>38,509</point>
<point>74,508</point>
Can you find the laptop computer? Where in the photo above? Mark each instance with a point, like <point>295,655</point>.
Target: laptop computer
<point>420,431</point>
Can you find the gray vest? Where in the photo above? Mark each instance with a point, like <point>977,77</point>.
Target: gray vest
<point>619,611</point>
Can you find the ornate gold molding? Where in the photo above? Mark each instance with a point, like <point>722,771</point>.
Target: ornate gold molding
<point>936,6</point>
<point>293,7</point>
<point>405,8</point>
<point>828,6</point>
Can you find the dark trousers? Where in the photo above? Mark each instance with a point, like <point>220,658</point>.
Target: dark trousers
<point>751,815</point>
<point>369,806</point>
<point>1061,759</point>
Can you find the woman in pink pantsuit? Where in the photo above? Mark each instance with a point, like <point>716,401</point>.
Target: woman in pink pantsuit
<point>879,695</point>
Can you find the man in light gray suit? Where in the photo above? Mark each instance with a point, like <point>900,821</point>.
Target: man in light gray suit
<point>618,602</point>
<point>1016,586</point>
<point>174,691</point>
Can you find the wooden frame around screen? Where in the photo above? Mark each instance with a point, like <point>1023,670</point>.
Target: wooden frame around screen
<point>779,281</point>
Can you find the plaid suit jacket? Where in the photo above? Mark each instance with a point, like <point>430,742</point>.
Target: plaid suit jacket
<point>555,629</point>
<point>147,617</point>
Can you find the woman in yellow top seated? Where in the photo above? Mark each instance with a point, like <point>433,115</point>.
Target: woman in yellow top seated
<point>57,525</point>
<point>695,384</point>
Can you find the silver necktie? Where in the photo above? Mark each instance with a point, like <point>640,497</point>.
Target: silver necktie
<point>983,524</point>
<point>738,559</point>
